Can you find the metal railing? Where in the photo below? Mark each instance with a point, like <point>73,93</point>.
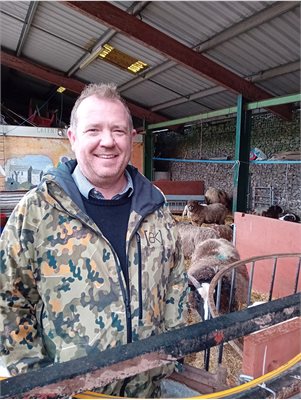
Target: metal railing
<point>65,379</point>
<point>216,287</point>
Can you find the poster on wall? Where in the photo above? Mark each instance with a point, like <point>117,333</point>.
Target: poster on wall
<point>24,173</point>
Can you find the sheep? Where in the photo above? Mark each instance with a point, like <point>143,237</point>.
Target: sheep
<point>207,259</point>
<point>273,212</point>
<point>191,235</point>
<point>290,217</point>
<point>213,196</point>
<point>211,214</point>
<point>223,231</point>
<point>277,212</point>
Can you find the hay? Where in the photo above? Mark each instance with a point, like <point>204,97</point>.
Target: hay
<point>231,360</point>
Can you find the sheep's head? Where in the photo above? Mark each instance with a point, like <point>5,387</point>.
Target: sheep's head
<point>193,205</point>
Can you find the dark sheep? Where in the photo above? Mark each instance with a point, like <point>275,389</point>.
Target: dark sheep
<point>211,214</point>
<point>273,212</point>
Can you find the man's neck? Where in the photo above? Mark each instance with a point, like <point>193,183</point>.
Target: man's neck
<point>109,191</point>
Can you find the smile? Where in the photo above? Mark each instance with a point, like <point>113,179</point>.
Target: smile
<point>106,157</point>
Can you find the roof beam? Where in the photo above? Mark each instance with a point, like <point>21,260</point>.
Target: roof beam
<point>237,29</point>
<point>57,78</point>
<point>148,36</point>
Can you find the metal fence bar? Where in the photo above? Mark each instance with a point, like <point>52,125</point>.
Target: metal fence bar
<point>215,281</point>
<point>100,368</point>
<point>218,295</point>
<point>273,278</point>
<point>250,283</point>
<point>297,275</point>
<point>232,289</point>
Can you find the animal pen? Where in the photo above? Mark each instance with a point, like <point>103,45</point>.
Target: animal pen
<point>78,378</point>
<point>241,182</point>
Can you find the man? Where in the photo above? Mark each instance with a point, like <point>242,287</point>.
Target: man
<point>91,258</point>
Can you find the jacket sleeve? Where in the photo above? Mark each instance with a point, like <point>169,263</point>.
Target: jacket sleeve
<point>21,345</point>
<point>176,300</point>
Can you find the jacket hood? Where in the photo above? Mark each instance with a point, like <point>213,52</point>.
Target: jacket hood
<point>146,197</point>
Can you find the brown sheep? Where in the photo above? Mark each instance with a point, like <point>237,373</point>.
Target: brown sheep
<point>192,235</point>
<point>208,258</point>
<point>213,196</point>
<point>223,231</point>
<point>212,214</point>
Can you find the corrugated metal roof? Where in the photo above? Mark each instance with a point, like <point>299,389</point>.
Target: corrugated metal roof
<point>59,37</point>
<point>75,28</point>
<point>182,81</point>
<point>148,93</point>
<point>52,50</point>
<point>193,22</point>
<point>137,50</point>
<point>285,84</point>
<point>186,109</point>
<point>10,31</point>
<point>16,9</point>
<point>101,71</point>
<point>219,101</point>
<point>273,43</point>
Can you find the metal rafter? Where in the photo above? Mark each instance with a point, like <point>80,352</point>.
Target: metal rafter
<point>156,40</point>
<point>59,79</point>
<point>26,26</point>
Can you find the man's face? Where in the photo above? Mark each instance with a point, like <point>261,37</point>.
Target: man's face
<point>103,140</point>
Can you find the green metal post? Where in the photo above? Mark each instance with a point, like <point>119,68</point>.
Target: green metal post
<point>148,154</point>
<point>242,155</point>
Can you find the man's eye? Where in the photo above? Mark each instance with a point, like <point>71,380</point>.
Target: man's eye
<point>91,131</point>
<point>119,132</point>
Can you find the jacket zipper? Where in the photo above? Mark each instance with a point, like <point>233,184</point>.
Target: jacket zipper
<point>139,276</point>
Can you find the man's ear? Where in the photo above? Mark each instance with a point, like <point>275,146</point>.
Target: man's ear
<point>72,137</point>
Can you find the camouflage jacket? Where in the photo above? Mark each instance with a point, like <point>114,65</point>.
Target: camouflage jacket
<point>62,290</point>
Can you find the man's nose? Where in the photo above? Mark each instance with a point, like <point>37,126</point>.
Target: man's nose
<point>107,138</point>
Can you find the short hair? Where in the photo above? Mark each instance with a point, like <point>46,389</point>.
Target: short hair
<point>102,91</point>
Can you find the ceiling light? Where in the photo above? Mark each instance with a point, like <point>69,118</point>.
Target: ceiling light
<point>137,66</point>
<point>121,59</point>
<point>106,49</point>
<point>60,89</point>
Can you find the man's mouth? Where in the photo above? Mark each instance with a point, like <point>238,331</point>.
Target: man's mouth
<point>106,156</point>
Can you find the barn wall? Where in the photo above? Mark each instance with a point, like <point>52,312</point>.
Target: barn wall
<point>256,236</point>
<point>216,139</point>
